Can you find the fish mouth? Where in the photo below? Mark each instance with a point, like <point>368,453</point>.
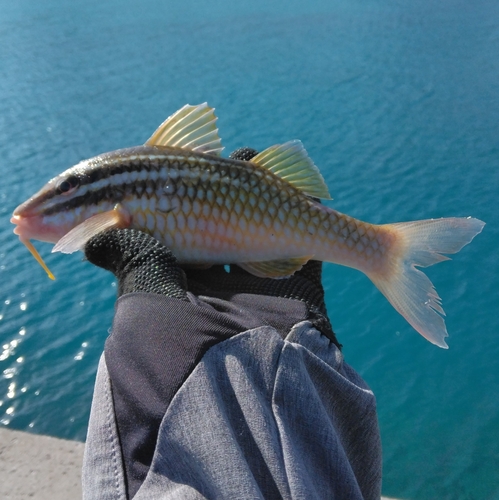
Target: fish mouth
<point>24,225</point>
<point>20,223</point>
<point>32,227</point>
<point>16,219</point>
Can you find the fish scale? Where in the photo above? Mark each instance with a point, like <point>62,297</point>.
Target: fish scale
<point>260,201</point>
<point>192,197</point>
<point>259,214</point>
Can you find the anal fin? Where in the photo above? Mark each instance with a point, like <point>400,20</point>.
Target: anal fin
<point>275,268</point>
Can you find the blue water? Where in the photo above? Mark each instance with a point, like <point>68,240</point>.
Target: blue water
<point>396,102</point>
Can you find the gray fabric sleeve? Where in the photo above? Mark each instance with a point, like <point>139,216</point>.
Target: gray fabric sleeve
<point>103,475</point>
<point>259,417</point>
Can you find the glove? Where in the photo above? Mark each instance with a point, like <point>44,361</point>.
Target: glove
<point>143,264</point>
<point>168,317</point>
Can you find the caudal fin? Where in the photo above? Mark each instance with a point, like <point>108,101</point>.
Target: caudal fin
<point>408,289</point>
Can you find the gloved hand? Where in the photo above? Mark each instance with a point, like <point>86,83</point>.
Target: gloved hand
<point>143,264</point>
<point>161,333</point>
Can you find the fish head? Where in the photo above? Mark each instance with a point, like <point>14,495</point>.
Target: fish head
<point>57,208</point>
<point>47,216</point>
<point>64,202</point>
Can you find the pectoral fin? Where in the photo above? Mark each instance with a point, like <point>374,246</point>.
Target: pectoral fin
<point>79,235</point>
<point>275,268</point>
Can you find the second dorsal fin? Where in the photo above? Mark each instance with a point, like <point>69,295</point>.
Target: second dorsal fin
<point>191,127</point>
<point>291,162</point>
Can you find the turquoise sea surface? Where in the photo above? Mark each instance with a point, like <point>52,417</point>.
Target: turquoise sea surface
<point>396,102</point>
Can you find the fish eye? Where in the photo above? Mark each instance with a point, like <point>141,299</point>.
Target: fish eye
<point>68,185</point>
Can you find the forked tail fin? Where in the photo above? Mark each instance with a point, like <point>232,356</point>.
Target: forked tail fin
<point>408,289</point>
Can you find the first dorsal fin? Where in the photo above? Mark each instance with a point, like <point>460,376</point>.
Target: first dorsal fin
<point>191,127</point>
<point>291,162</point>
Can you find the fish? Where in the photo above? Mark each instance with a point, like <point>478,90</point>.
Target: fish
<point>264,215</point>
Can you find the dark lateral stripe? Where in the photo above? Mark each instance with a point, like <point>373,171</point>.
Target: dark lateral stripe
<point>122,161</point>
<point>111,193</point>
<point>130,160</point>
<point>118,162</point>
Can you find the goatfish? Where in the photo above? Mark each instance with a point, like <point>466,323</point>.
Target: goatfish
<point>262,215</point>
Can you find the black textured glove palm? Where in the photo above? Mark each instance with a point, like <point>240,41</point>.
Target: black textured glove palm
<point>140,262</point>
<point>162,332</point>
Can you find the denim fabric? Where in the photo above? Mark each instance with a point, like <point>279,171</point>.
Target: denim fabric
<point>103,476</point>
<point>155,344</point>
<point>259,417</point>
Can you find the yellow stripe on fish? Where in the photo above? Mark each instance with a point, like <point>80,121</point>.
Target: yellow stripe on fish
<point>259,214</point>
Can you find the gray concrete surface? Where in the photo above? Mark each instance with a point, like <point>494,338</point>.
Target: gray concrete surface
<point>39,467</point>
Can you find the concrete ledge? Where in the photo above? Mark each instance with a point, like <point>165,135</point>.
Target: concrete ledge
<point>39,467</point>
